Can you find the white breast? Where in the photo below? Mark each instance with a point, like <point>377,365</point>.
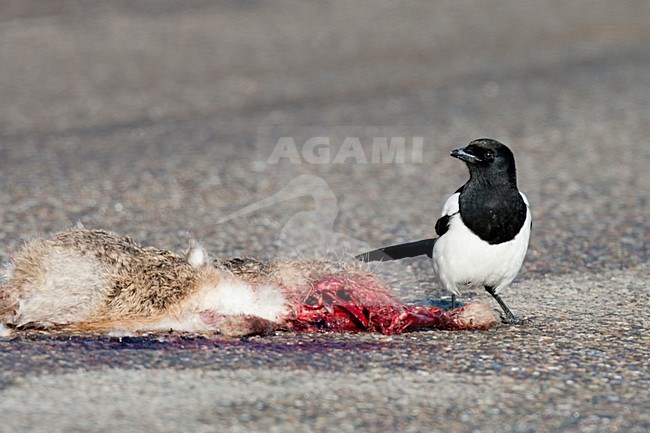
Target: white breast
<point>461,259</point>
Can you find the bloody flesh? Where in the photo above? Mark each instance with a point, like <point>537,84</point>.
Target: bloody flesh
<point>340,304</point>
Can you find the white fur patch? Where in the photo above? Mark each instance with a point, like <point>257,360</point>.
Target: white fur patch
<point>233,296</point>
<point>66,287</point>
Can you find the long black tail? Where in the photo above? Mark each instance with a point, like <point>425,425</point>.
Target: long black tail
<point>401,251</point>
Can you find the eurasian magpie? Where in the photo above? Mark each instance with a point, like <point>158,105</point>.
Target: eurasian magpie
<point>484,228</point>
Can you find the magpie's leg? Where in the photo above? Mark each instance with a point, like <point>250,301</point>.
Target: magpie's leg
<point>453,301</point>
<point>509,317</point>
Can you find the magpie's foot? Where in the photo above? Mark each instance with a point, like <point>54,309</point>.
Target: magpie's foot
<point>513,320</point>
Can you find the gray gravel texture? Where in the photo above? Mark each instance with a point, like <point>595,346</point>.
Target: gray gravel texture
<point>160,118</point>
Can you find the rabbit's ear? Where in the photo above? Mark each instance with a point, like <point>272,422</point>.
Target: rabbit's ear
<point>196,255</point>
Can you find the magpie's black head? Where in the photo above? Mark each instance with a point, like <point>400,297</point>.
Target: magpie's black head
<point>486,157</point>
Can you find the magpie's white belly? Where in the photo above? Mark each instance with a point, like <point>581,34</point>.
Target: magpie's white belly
<point>461,259</point>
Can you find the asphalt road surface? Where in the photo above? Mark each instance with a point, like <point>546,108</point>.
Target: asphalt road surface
<point>161,118</point>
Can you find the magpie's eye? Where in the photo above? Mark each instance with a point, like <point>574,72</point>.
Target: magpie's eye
<point>489,154</point>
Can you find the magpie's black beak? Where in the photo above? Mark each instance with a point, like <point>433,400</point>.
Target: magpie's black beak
<point>464,154</point>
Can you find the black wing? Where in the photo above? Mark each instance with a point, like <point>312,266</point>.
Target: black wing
<point>401,251</point>
<point>442,225</point>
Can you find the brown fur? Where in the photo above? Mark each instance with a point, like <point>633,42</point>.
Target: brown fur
<point>94,275</point>
<point>144,281</point>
